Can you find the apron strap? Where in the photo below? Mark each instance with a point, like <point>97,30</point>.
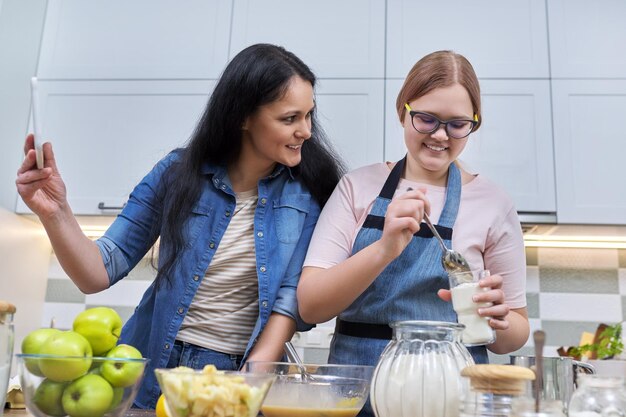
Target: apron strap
<point>389,189</point>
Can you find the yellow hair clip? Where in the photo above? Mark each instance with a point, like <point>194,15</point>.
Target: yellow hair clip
<point>406,105</point>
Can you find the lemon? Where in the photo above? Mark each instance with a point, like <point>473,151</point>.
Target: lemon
<point>161,407</point>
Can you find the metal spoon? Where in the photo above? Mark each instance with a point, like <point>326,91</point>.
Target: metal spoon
<point>452,260</point>
<point>293,356</point>
<point>539,337</point>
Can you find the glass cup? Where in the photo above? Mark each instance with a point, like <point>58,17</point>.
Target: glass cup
<point>463,286</point>
<point>6,349</point>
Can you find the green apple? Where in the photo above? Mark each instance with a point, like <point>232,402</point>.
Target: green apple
<point>88,396</point>
<point>118,394</point>
<point>101,326</point>
<point>122,373</point>
<point>67,343</point>
<point>48,397</point>
<point>32,345</point>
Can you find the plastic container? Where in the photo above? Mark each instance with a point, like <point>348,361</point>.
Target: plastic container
<point>463,286</point>
<point>598,396</point>
<point>7,337</point>
<point>419,372</point>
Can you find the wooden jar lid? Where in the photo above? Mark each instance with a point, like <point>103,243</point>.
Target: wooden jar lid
<point>498,379</point>
<point>6,307</point>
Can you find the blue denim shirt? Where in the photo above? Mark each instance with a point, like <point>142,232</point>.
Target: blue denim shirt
<point>284,219</point>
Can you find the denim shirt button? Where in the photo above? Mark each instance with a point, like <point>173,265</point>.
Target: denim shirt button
<point>167,346</point>
<point>263,269</point>
<point>263,200</point>
<point>223,187</point>
<point>195,277</point>
<point>260,234</point>
<point>180,310</point>
<point>212,245</point>
<point>227,214</point>
<point>264,304</point>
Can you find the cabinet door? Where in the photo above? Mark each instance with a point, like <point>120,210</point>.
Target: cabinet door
<point>590,148</point>
<point>587,40</point>
<point>107,135</point>
<point>513,147</point>
<point>335,38</point>
<point>91,39</point>
<point>351,113</point>
<point>501,39</point>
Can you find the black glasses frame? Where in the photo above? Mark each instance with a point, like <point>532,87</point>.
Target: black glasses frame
<point>440,122</point>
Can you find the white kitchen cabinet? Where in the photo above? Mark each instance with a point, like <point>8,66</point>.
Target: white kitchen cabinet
<point>343,39</point>
<point>590,149</point>
<point>587,40</point>
<point>502,39</point>
<point>140,39</point>
<point>351,113</point>
<point>513,147</point>
<point>107,135</point>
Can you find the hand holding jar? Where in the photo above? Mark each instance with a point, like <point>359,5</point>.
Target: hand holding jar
<point>468,300</point>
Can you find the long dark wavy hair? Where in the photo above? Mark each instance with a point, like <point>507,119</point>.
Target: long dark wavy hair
<point>258,75</point>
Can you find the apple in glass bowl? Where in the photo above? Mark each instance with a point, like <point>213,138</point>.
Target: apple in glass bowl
<point>79,386</point>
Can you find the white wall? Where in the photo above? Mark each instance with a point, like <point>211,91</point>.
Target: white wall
<point>24,261</point>
<point>21,25</point>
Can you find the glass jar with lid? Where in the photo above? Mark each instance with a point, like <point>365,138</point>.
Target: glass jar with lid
<point>597,396</point>
<point>419,372</point>
<point>492,389</point>
<point>7,310</point>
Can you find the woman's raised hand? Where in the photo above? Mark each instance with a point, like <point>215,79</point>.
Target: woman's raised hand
<point>402,220</point>
<point>42,190</point>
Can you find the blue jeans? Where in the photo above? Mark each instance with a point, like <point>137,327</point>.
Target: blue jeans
<point>196,357</point>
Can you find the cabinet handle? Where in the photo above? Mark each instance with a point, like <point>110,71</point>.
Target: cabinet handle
<point>103,206</point>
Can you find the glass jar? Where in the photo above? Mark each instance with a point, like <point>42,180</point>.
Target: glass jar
<point>6,348</point>
<point>419,372</point>
<point>463,286</point>
<point>526,407</point>
<point>493,389</point>
<point>598,396</point>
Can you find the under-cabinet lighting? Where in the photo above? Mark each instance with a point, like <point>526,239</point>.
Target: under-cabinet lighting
<point>590,242</point>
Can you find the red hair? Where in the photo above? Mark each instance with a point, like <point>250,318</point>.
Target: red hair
<point>435,70</point>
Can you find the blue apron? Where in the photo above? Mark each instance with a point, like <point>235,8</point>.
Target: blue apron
<point>407,287</point>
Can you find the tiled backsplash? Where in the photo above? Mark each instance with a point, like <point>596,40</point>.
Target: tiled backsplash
<point>569,291</point>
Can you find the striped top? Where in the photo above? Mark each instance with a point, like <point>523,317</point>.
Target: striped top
<point>225,308</point>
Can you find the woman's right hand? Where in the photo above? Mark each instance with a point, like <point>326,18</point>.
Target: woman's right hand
<point>42,190</point>
<point>402,220</point>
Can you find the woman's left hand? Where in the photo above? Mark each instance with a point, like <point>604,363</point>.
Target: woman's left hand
<point>498,309</point>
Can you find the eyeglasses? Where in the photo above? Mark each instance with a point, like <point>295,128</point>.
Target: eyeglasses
<point>427,123</point>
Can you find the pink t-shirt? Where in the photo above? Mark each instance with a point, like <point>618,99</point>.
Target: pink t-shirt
<point>487,230</point>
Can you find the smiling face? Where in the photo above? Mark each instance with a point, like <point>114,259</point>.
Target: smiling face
<point>430,154</point>
<point>276,132</point>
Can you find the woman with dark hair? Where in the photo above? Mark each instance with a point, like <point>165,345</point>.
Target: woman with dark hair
<point>234,210</point>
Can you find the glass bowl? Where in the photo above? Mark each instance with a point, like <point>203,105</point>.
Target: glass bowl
<point>324,390</point>
<point>76,386</point>
<point>212,393</point>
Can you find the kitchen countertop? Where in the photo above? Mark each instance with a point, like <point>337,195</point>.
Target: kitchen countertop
<point>133,412</point>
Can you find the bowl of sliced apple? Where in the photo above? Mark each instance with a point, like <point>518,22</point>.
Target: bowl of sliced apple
<point>212,393</point>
